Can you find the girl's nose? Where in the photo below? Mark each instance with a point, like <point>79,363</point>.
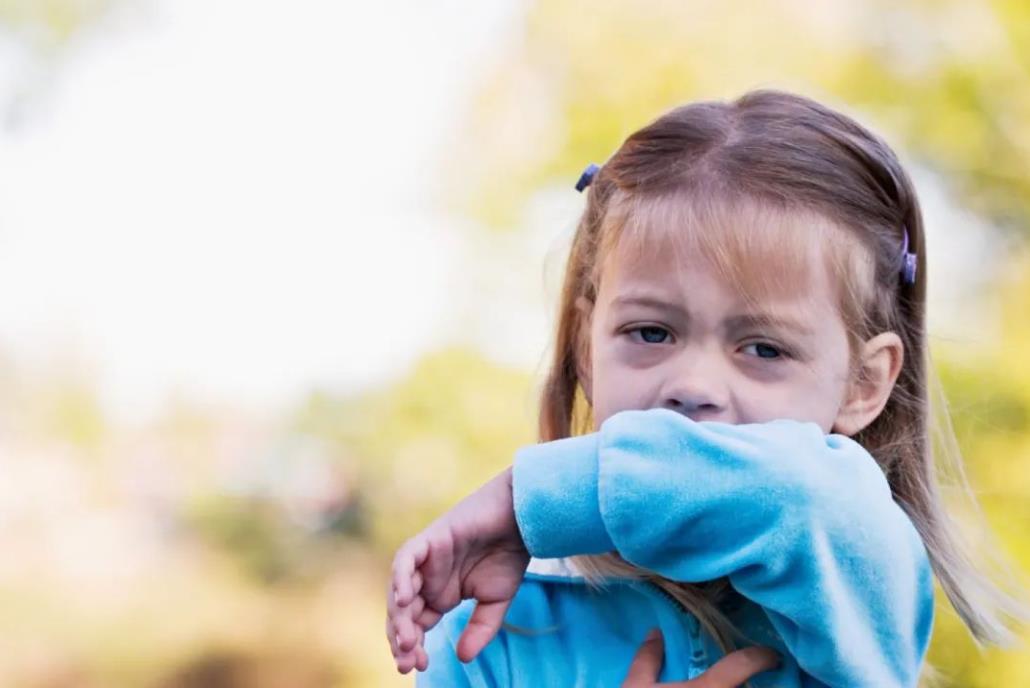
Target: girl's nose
<point>697,388</point>
<point>695,408</point>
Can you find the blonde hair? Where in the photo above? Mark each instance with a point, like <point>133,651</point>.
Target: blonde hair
<point>715,177</point>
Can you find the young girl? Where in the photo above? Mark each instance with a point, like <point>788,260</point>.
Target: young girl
<point>734,433</point>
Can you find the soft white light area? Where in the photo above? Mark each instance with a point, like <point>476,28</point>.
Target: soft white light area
<point>966,256</point>
<point>229,198</point>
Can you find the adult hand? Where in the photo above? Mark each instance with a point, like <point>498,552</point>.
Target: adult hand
<point>729,672</point>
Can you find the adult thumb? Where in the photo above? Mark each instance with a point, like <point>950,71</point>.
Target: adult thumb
<point>647,662</point>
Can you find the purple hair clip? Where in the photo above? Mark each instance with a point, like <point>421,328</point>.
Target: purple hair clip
<point>908,262</point>
<point>587,177</point>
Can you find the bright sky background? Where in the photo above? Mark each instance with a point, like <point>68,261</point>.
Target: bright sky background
<point>231,199</point>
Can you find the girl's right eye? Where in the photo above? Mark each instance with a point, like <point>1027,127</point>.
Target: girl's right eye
<point>651,334</point>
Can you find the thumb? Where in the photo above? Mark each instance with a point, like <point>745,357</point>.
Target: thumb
<point>643,671</point>
<point>483,625</point>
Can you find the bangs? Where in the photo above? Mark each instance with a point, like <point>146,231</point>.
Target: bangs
<point>763,249</point>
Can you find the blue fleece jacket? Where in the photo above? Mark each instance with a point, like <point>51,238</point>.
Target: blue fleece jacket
<point>827,568</point>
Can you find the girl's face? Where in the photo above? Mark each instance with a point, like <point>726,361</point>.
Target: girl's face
<point>668,331</point>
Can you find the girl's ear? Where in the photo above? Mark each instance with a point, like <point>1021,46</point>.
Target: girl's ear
<point>585,309</point>
<point>867,394</point>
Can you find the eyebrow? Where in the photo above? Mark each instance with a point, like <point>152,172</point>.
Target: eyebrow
<point>736,322</point>
<point>647,302</point>
<point>740,322</point>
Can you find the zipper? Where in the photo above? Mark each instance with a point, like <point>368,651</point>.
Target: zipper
<point>699,656</point>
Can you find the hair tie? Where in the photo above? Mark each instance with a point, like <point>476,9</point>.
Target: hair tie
<point>587,177</point>
<point>908,261</point>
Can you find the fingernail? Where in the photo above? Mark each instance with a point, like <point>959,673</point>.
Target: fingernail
<point>652,635</point>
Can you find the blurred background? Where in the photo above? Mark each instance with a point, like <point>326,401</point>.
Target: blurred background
<point>277,280</point>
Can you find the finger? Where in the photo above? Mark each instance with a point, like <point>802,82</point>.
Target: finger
<point>428,618</point>
<point>397,617</point>
<point>413,658</point>
<point>422,659</point>
<point>420,650</point>
<point>407,632</point>
<point>438,564</point>
<point>416,582</point>
<point>647,662</point>
<point>391,592</point>
<point>409,557</point>
<point>406,662</point>
<point>391,599</point>
<point>736,668</point>
<point>486,619</point>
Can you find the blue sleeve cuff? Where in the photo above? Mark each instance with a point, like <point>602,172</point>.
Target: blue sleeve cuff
<point>555,491</point>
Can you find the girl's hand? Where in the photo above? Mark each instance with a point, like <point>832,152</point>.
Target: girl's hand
<point>475,551</point>
<point>729,672</point>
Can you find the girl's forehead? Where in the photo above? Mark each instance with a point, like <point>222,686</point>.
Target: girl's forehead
<point>761,251</point>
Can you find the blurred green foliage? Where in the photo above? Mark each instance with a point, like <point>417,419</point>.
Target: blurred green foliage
<point>425,441</point>
<point>989,397</point>
<point>947,80</point>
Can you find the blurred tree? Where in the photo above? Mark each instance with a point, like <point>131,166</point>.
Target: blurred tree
<point>427,440</point>
<point>254,533</point>
<point>951,79</point>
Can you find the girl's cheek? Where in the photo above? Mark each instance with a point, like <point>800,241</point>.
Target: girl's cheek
<point>759,402</point>
<point>636,356</point>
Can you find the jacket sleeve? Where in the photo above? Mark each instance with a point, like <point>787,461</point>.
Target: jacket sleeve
<point>802,523</point>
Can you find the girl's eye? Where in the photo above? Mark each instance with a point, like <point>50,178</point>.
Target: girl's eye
<point>652,334</point>
<point>762,350</point>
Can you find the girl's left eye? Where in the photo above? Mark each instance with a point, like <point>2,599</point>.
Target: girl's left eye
<point>763,350</point>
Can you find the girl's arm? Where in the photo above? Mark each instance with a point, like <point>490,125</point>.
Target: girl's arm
<point>802,523</point>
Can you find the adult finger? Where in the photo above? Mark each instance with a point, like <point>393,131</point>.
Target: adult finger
<point>735,668</point>
<point>647,662</point>
<point>483,625</point>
